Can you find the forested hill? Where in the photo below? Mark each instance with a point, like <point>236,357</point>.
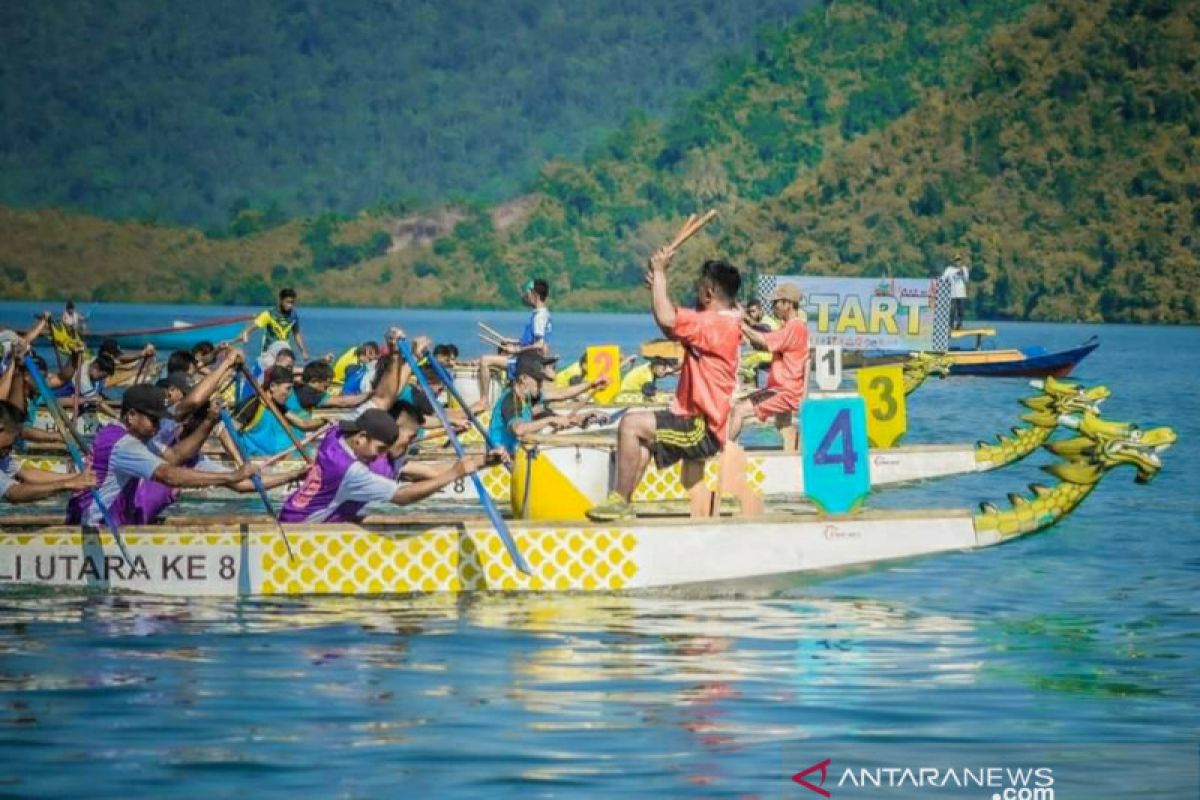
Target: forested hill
<point>1056,142</point>
<point>178,111</point>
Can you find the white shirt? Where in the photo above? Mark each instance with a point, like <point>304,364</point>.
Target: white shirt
<point>130,460</point>
<point>958,277</point>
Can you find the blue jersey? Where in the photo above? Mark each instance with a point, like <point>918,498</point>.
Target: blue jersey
<point>538,328</point>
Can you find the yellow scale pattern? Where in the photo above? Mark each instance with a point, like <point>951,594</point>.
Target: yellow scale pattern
<point>665,484</point>
<point>448,560</point>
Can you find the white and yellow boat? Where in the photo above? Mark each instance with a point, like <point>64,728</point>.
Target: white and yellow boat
<point>247,557</point>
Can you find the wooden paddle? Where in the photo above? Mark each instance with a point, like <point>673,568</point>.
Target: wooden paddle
<point>78,383</point>
<point>236,436</point>
<point>485,499</point>
<point>269,404</point>
<point>76,452</point>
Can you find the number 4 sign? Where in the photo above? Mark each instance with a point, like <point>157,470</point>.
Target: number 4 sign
<point>605,361</point>
<point>836,476</point>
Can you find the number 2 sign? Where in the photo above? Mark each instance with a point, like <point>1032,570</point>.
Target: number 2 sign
<point>605,361</point>
<point>836,476</point>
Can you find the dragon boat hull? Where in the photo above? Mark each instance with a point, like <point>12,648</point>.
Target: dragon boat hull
<point>452,555</point>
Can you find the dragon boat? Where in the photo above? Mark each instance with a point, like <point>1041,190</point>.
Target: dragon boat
<point>414,554</point>
<point>568,473</point>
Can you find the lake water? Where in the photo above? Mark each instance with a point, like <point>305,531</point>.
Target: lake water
<point>1087,633</point>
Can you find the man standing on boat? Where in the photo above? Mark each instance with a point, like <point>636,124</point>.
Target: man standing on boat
<point>958,274</point>
<point>696,424</point>
<point>787,377</point>
<point>279,324</point>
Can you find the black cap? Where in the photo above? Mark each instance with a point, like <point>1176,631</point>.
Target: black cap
<point>178,380</point>
<point>148,400</point>
<point>279,375</point>
<point>375,423</point>
<point>533,365</point>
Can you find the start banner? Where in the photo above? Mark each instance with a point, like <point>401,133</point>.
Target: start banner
<point>905,314</point>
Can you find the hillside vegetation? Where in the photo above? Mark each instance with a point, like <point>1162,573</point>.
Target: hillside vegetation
<point>1054,142</point>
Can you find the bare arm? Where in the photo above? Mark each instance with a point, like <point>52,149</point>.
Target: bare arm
<point>34,490</point>
<point>203,391</point>
<point>754,338</point>
<point>306,425</point>
<point>184,478</point>
<point>187,447</point>
<point>345,400</point>
<point>414,492</point>
<point>269,481</point>
<point>660,301</point>
<point>300,343</point>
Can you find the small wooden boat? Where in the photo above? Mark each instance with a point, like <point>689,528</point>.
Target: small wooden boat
<point>1026,362</point>
<point>569,473</point>
<point>238,557</point>
<point>180,336</point>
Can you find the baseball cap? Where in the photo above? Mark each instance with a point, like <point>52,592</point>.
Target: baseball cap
<point>145,399</point>
<point>787,291</point>
<point>375,423</point>
<point>533,365</point>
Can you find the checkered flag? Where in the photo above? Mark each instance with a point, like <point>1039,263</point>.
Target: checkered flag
<point>940,300</point>
<point>766,289</point>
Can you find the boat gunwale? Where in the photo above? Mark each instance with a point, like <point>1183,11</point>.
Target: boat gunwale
<point>168,329</point>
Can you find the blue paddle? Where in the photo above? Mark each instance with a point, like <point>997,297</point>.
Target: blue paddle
<point>68,434</point>
<point>448,381</point>
<point>236,436</point>
<point>484,498</point>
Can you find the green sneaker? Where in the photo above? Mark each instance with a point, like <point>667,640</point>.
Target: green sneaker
<point>612,509</point>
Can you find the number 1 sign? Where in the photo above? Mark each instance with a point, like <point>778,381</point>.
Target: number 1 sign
<point>836,476</point>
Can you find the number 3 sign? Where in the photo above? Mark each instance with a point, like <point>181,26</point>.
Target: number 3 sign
<point>836,476</point>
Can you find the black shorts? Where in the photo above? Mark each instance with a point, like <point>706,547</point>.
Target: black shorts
<point>677,438</point>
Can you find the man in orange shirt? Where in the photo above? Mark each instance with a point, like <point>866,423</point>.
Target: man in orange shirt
<point>695,425</point>
<point>788,375</point>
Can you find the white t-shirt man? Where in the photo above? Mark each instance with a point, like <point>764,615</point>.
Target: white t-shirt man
<point>130,459</point>
<point>360,485</point>
<point>958,275</point>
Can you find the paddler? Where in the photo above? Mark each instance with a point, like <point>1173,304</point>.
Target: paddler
<point>124,456</point>
<point>352,470</point>
<point>279,324</point>
<point>262,433</point>
<point>788,374</point>
<point>643,380</point>
<point>354,370</point>
<point>695,425</point>
<point>91,386</point>
<point>515,413</point>
<point>24,484</point>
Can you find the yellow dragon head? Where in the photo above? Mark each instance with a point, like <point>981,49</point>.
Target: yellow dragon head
<point>1102,445</point>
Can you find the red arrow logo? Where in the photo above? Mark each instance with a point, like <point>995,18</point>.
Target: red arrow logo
<point>799,778</point>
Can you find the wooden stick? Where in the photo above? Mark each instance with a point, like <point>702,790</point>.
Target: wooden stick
<point>487,339</point>
<point>270,406</point>
<point>305,442</point>
<point>78,386</point>
<point>492,331</point>
<point>690,228</point>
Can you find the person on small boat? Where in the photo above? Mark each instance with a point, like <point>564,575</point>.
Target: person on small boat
<point>352,470</point>
<point>787,378</point>
<point>279,324</point>
<point>958,274</point>
<point>536,336</point>
<point>91,386</point>
<point>124,456</point>
<point>516,411</point>
<point>24,484</point>
<point>695,425</point>
<point>262,433</point>
<point>643,380</point>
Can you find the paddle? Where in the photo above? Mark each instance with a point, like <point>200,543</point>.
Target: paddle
<point>270,406</point>
<point>73,448</point>
<point>484,498</point>
<point>78,383</point>
<point>236,436</point>
<point>448,381</point>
